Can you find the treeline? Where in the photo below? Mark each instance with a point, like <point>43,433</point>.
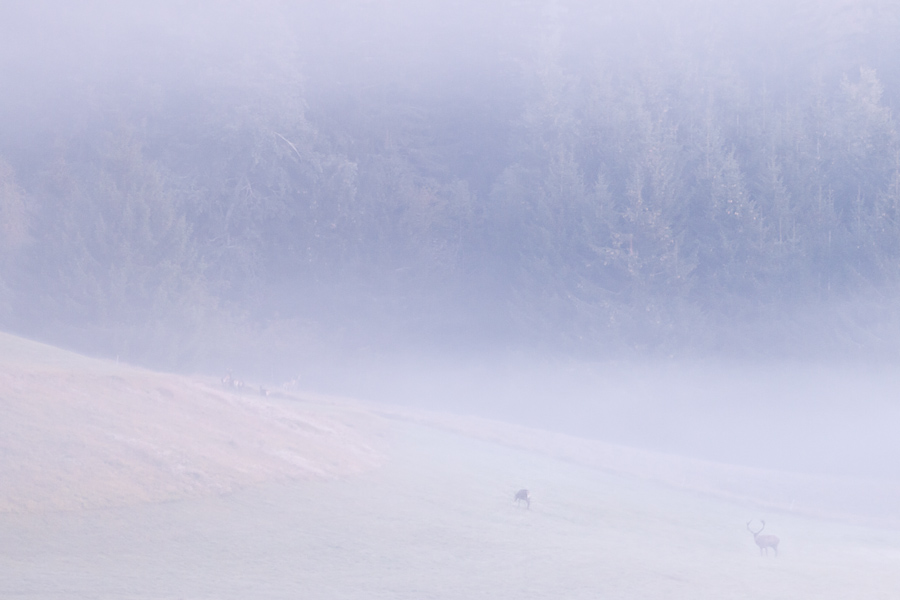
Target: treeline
<point>591,177</point>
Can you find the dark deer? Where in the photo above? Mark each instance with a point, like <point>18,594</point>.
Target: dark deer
<point>764,541</point>
<point>523,496</point>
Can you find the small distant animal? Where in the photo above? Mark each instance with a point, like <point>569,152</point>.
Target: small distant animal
<point>764,541</point>
<point>523,496</point>
<point>230,381</point>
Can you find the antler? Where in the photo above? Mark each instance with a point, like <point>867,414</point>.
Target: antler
<point>764,541</point>
<point>755,533</point>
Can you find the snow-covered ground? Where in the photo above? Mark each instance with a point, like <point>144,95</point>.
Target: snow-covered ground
<point>438,521</point>
<point>121,483</point>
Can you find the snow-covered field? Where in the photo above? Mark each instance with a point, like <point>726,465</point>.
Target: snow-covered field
<point>429,514</point>
<point>437,521</point>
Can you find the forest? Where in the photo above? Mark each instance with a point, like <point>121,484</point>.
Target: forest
<point>185,184</point>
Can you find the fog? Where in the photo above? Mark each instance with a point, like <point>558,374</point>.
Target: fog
<point>668,230</point>
<point>673,226</point>
<point>830,420</point>
<point>197,185</point>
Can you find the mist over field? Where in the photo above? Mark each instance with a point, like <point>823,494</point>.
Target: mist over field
<point>666,227</point>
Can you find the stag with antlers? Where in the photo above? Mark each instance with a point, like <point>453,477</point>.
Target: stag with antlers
<point>764,541</point>
<point>523,496</point>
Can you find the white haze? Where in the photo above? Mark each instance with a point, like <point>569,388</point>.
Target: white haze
<point>827,417</point>
<point>815,417</point>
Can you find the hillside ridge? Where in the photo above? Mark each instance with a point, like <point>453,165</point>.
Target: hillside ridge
<point>84,433</point>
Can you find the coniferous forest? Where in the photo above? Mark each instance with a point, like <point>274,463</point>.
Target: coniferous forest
<point>182,182</point>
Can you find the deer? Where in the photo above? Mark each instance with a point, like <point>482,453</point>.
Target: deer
<point>764,541</point>
<point>523,496</point>
<point>232,382</point>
